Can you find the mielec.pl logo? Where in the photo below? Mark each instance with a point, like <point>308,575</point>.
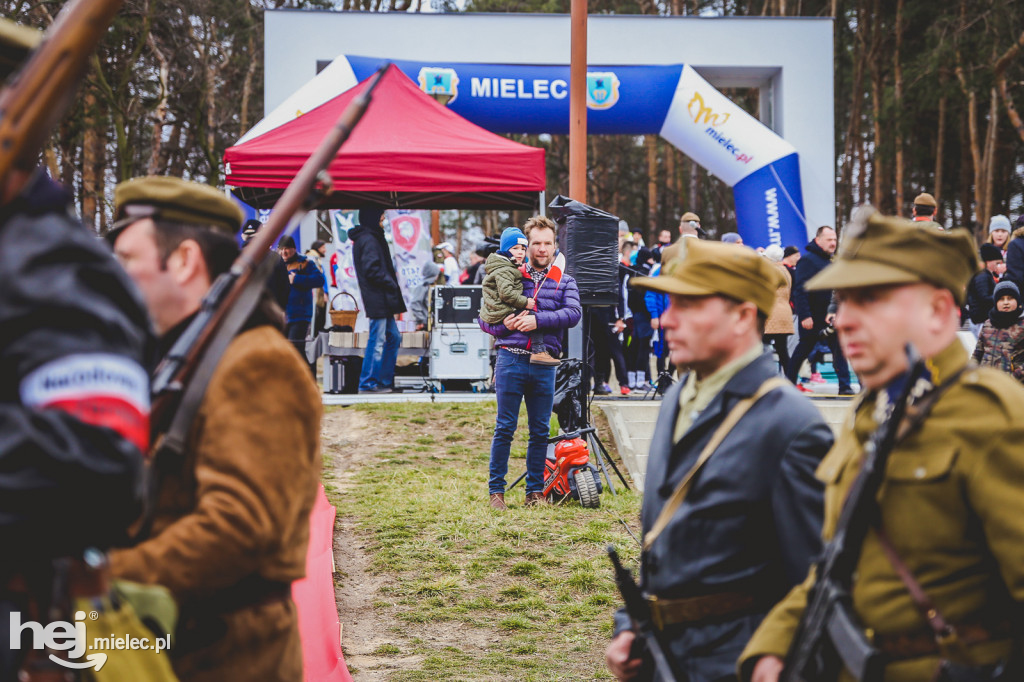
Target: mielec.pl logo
<point>59,635</point>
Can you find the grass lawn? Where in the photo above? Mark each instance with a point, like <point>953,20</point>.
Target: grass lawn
<point>459,591</point>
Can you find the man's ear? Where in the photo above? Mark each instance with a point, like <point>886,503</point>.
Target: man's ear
<point>747,313</point>
<point>187,262</point>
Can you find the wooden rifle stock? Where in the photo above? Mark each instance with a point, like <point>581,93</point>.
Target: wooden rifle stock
<point>41,92</point>
<point>238,289</point>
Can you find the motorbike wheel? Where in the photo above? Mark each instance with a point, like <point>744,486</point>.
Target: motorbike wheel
<point>587,489</point>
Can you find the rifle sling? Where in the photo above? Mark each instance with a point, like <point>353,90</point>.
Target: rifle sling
<point>945,633</point>
<point>170,452</point>
<point>679,494</point>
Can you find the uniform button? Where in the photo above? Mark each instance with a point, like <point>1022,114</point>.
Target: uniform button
<point>920,472</point>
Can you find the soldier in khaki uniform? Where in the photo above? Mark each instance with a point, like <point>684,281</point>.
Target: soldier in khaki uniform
<point>231,524</point>
<point>952,500</point>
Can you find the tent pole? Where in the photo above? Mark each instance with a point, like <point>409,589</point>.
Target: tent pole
<point>578,102</point>
<point>435,227</point>
<point>542,210</point>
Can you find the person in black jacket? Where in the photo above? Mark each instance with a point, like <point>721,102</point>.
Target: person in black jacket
<point>982,286</point>
<point>74,392</point>
<point>382,301</point>
<point>812,310</point>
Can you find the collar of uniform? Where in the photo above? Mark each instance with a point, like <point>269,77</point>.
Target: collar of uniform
<point>698,394</point>
<point>947,362</point>
<point>941,366</point>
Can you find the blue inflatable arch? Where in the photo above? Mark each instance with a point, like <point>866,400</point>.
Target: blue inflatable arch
<point>673,101</point>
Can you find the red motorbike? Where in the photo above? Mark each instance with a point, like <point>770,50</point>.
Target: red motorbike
<point>568,472</point>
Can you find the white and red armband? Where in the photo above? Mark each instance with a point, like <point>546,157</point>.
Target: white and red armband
<point>100,389</point>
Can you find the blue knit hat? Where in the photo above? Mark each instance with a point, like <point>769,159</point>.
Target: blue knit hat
<point>512,236</point>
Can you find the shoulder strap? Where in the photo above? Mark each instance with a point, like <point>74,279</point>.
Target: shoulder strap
<point>679,494</point>
<point>169,454</point>
<point>943,631</point>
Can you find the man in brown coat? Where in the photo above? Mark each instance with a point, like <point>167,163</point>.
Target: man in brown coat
<point>230,526</point>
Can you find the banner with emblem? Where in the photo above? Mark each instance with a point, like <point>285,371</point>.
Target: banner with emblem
<point>409,234</point>
<point>411,247</point>
<point>341,273</point>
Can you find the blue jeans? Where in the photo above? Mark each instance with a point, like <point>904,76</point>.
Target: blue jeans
<point>381,354</point>
<point>515,379</point>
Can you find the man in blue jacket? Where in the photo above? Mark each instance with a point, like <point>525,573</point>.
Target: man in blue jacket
<point>515,378</point>
<point>812,310</point>
<point>304,277</point>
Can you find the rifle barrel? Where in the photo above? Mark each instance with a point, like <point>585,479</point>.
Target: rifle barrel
<point>168,378</point>
<point>43,90</point>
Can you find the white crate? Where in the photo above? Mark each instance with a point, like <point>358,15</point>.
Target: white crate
<point>460,351</point>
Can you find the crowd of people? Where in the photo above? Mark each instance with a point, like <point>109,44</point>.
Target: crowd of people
<point>746,483</point>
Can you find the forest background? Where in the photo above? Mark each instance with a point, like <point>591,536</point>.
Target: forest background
<point>924,101</point>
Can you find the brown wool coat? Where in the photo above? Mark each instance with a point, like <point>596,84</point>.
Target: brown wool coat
<point>239,509</point>
<point>781,319</point>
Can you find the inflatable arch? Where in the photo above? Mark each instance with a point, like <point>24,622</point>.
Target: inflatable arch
<point>671,100</point>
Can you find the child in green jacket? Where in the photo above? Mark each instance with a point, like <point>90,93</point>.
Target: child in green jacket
<point>503,290</point>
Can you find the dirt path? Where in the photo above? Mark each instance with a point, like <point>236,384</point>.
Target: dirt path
<point>364,629</point>
<point>369,633</point>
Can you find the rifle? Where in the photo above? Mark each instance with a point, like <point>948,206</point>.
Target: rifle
<point>181,378</point>
<point>829,633</point>
<point>41,92</point>
<point>640,613</point>
<point>235,294</point>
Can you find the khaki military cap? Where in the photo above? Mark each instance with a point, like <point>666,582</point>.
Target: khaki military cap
<point>925,199</point>
<point>717,269</point>
<point>688,216</point>
<point>16,42</point>
<point>878,250</point>
<point>175,200</point>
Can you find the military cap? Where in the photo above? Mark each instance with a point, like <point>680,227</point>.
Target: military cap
<point>688,216</point>
<point>174,200</point>
<point>717,269</point>
<point>878,250</point>
<point>16,42</point>
<point>925,199</point>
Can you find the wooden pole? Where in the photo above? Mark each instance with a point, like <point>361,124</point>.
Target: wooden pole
<point>578,102</point>
<point>435,227</point>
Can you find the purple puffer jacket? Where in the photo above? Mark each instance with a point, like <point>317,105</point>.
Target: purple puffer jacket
<point>557,310</point>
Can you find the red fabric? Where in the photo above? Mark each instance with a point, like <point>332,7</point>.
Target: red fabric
<point>110,411</point>
<point>314,600</point>
<point>406,142</point>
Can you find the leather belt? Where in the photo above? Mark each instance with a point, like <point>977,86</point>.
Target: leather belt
<point>251,591</point>
<point>921,644</point>
<point>702,609</point>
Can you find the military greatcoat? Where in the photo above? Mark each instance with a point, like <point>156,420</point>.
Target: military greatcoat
<point>751,521</point>
<point>953,508</point>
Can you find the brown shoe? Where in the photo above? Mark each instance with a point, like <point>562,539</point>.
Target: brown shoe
<point>544,359</point>
<point>498,501</point>
<point>535,499</point>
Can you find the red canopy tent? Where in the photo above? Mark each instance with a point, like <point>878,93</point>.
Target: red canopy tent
<point>408,151</point>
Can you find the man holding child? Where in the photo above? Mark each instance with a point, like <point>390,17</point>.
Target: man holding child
<point>517,374</point>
